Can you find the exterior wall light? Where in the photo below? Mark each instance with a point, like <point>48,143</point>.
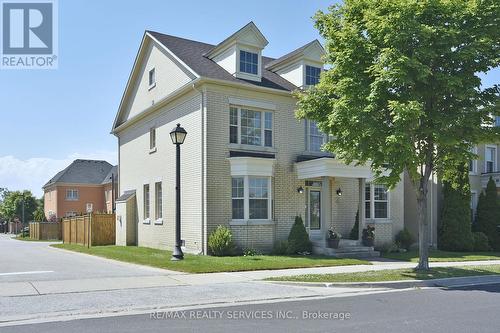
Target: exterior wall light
<point>300,189</point>
<point>339,192</point>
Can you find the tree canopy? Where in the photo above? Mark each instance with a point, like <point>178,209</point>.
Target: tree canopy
<point>403,91</point>
<point>12,205</point>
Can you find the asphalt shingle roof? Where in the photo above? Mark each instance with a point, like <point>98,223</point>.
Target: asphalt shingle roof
<point>289,55</point>
<point>82,172</point>
<point>192,54</point>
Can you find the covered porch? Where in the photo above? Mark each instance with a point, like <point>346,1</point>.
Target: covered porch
<point>334,194</point>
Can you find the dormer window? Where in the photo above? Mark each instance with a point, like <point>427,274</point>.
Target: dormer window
<point>312,75</point>
<point>249,62</point>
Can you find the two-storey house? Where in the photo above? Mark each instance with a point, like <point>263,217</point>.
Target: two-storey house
<point>247,162</point>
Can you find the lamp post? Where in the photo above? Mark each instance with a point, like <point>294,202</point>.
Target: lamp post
<point>178,135</point>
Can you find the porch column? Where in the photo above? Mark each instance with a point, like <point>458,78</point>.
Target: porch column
<point>362,182</point>
<point>326,207</point>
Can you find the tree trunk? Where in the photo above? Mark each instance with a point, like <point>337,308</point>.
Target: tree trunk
<point>423,226</point>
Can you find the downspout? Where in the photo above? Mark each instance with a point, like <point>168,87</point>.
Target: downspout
<point>203,208</point>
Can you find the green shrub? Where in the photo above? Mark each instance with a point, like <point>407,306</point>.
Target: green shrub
<point>488,215</point>
<point>298,239</point>
<point>250,252</point>
<point>220,242</point>
<point>404,239</point>
<point>387,248</point>
<point>480,242</point>
<point>354,235</point>
<point>280,247</point>
<point>455,231</point>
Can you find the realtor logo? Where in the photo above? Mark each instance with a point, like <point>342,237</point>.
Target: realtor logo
<point>29,34</point>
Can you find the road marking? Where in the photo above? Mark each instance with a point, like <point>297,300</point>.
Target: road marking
<point>25,273</point>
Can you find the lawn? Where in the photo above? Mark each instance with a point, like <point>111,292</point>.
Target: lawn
<point>206,264</point>
<point>438,256</point>
<point>394,274</point>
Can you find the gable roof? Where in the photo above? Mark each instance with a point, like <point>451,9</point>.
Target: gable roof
<point>231,39</point>
<point>294,53</point>
<point>87,172</point>
<point>192,53</point>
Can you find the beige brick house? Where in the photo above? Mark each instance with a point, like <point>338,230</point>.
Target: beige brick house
<point>247,162</point>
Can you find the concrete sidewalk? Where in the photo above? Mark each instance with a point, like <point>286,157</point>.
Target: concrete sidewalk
<point>170,278</point>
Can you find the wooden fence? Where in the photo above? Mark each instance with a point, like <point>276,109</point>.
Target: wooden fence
<point>45,230</point>
<point>89,230</point>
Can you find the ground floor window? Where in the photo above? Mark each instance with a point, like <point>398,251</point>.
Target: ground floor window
<point>251,198</point>
<point>376,201</point>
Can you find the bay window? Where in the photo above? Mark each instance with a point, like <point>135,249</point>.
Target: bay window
<point>250,127</point>
<point>376,201</point>
<point>251,198</point>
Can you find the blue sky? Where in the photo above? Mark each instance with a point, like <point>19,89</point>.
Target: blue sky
<point>50,117</point>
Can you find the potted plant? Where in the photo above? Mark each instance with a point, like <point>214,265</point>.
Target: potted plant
<point>368,235</point>
<point>333,239</point>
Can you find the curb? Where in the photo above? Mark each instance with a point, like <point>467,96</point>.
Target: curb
<point>453,282</point>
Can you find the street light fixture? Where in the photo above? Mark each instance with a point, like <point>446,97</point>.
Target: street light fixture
<point>178,135</point>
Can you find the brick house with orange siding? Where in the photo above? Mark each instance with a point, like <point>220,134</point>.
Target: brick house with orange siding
<point>85,185</point>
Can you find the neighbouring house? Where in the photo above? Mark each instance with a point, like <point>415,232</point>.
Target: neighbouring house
<point>84,186</point>
<point>247,162</point>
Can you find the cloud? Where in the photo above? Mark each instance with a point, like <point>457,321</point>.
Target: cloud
<point>33,173</point>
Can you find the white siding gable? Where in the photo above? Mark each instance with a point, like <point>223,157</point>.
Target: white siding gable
<point>169,74</point>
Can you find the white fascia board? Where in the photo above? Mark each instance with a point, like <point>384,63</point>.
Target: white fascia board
<point>252,166</point>
<point>329,167</point>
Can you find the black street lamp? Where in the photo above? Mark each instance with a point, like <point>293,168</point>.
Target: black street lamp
<point>178,135</point>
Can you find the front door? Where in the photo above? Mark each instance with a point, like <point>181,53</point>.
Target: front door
<point>314,213</point>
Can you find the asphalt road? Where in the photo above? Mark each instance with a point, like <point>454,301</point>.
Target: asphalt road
<point>22,261</point>
<point>470,309</point>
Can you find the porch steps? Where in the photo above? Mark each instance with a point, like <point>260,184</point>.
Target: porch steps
<point>347,249</point>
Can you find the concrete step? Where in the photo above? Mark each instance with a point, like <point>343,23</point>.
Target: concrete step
<point>360,252</point>
<point>349,242</point>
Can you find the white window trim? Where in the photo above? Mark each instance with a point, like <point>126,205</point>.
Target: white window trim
<point>158,220</point>
<point>152,85</point>
<point>474,162</point>
<point>246,202</point>
<point>152,148</point>
<point>372,205</point>
<point>262,129</point>
<point>494,159</point>
<point>146,220</point>
<point>244,75</point>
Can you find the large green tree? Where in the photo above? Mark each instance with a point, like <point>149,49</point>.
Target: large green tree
<point>403,92</point>
<point>13,202</point>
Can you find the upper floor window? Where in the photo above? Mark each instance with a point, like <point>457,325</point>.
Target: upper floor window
<point>72,194</point>
<point>490,159</point>
<point>152,138</point>
<point>249,62</point>
<point>312,75</point>
<point>315,138</point>
<point>152,77</point>
<point>376,201</point>
<point>250,127</point>
<point>497,121</point>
